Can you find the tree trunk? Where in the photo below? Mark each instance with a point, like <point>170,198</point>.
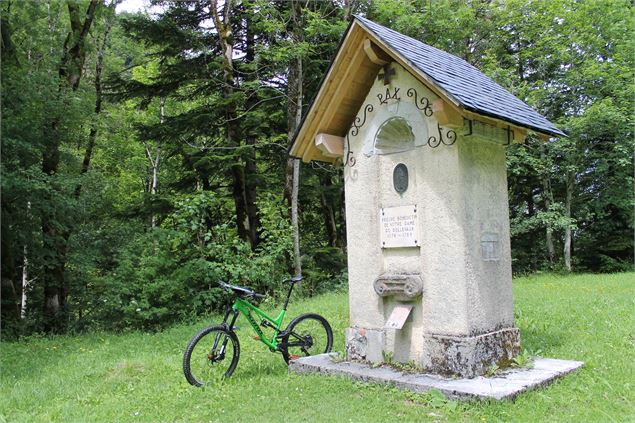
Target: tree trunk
<point>9,307</point>
<point>154,158</point>
<point>343,239</point>
<point>294,217</point>
<point>155,163</point>
<point>92,136</point>
<point>238,193</point>
<point>239,188</point>
<point>294,118</point>
<point>25,282</point>
<point>294,92</point>
<point>25,272</point>
<point>330,224</point>
<point>251,194</point>
<point>55,235</point>
<point>251,169</point>
<point>548,199</point>
<point>551,251</point>
<point>567,209</point>
<point>348,9</point>
<point>7,48</point>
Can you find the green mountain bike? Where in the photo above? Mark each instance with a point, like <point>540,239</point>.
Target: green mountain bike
<point>212,354</point>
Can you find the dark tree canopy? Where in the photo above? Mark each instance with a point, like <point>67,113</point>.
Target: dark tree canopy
<point>144,156</point>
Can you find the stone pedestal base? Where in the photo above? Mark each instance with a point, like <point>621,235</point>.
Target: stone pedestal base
<point>464,356</point>
<point>365,344</point>
<point>469,356</point>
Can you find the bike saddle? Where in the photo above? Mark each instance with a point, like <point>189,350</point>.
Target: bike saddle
<point>294,279</point>
<point>241,290</point>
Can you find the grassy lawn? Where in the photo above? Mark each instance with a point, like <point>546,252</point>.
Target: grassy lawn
<point>137,377</point>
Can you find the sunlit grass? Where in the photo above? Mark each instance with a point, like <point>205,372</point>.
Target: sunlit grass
<point>138,377</point>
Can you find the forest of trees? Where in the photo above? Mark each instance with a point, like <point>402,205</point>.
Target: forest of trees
<point>144,156</point>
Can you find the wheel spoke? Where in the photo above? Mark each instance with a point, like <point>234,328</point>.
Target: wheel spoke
<point>211,356</point>
<point>311,335</point>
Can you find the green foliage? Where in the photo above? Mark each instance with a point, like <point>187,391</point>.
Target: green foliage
<point>492,370</point>
<point>172,273</point>
<point>138,259</point>
<point>523,360</point>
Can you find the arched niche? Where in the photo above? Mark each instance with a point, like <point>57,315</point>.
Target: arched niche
<point>394,135</point>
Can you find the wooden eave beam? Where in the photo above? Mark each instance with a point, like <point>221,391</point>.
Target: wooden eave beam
<point>375,54</point>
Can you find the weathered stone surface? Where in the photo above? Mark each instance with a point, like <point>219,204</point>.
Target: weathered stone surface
<point>469,356</point>
<point>365,344</point>
<point>507,385</point>
<point>403,287</point>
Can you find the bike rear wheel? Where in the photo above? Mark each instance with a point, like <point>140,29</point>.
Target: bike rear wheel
<point>211,356</point>
<point>308,334</point>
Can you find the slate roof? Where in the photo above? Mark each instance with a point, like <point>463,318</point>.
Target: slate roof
<point>466,84</point>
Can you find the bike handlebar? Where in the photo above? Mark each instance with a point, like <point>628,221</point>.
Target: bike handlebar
<point>240,290</point>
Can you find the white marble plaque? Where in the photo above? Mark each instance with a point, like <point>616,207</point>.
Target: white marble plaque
<point>398,316</point>
<point>398,227</point>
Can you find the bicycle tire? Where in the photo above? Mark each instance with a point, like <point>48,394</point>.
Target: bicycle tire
<point>207,367</point>
<point>307,334</point>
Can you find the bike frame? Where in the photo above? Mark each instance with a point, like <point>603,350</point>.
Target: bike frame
<point>246,308</point>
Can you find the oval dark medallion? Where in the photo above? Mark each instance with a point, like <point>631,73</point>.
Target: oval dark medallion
<point>400,178</point>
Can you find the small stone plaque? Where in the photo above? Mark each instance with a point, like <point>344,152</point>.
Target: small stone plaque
<point>398,227</point>
<point>398,317</point>
<point>400,178</point>
<point>490,247</point>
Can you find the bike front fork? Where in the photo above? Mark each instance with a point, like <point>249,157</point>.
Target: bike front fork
<point>234,315</point>
<point>221,352</point>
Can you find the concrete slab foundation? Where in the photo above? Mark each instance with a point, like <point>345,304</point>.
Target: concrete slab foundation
<point>504,386</point>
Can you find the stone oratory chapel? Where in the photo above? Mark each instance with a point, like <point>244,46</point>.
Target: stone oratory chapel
<point>421,135</point>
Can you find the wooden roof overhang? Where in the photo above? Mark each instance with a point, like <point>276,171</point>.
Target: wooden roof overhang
<point>360,56</point>
<point>339,97</point>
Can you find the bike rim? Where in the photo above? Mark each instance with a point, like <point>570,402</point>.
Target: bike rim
<point>210,361</point>
<point>309,337</point>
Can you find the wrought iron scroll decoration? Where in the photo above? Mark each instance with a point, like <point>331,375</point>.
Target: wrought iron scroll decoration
<point>422,103</point>
<point>359,122</point>
<point>450,138</point>
<point>350,159</point>
<point>357,125</point>
<point>425,105</point>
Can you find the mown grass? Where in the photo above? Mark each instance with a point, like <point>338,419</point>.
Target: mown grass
<point>137,377</point>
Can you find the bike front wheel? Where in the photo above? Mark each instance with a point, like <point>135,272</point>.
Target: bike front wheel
<point>308,334</point>
<point>211,356</point>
